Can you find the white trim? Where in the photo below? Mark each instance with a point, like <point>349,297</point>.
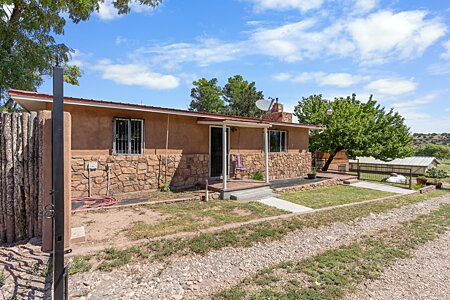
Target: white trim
<point>167,111</point>
<point>285,140</point>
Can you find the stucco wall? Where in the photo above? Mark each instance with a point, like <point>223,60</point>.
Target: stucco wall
<point>92,132</point>
<point>188,151</point>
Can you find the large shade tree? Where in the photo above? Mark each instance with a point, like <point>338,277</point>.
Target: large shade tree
<point>28,31</point>
<point>362,129</point>
<point>207,96</point>
<point>238,97</point>
<point>241,97</point>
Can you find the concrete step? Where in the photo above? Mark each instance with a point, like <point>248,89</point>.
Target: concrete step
<point>251,194</point>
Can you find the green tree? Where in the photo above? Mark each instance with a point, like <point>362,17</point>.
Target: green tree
<point>438,151</point>
<point>28,48</point>
<point>362,129</point>
<point>241,97</point>
<point>207,96</point>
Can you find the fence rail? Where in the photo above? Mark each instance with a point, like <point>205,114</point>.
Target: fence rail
<point>382,173</point>
<point>20,167</point>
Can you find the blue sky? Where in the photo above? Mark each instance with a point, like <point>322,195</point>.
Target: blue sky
<point>397,50</point>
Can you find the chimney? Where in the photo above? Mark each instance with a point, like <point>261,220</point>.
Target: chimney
<point>277,114</point>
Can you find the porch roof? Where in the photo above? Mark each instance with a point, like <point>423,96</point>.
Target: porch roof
<point>236,123</point>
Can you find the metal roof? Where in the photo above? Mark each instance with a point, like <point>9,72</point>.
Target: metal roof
<point>416,161</point>
<point>32,101</point>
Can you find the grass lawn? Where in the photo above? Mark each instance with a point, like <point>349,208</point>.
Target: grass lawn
<point>336,195</point>
<point>192,216</point>
<point>244,236</point>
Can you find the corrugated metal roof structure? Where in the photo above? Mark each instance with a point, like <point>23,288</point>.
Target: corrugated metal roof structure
<point>416,161</point>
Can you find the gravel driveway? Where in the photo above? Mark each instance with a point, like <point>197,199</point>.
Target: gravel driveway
<point>424,276</point>
<point>197,277</point>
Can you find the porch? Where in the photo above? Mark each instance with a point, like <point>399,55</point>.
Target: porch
<point>241,189</point>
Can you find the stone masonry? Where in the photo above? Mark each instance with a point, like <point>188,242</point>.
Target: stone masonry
<point>281,165</point>
<point>137,173</point>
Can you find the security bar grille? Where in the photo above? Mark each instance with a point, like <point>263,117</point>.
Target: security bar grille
<point>128,136</point>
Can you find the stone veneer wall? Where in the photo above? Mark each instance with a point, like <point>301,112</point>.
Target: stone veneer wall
<point>137,173</point>
<point>281,165</point>
<point>309,186</point>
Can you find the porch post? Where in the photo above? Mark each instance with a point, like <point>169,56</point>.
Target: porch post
<point>224,155</point>
<point>266,155</point>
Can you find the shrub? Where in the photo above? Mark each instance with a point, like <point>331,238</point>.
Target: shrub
<point>257,175</point>
<point>436,174</point>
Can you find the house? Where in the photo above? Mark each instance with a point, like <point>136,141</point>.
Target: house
<point>121,147</point>
<point>417,164</point>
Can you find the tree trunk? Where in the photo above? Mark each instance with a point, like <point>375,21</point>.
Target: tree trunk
<point>328,162</point>
<point>9,205</point>
<point>2,183</point>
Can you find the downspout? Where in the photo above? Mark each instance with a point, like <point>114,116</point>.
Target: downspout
<point>167,146</point>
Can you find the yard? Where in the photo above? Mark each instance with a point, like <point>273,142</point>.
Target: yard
<point>118,225</point>
<point>320,255</point>
<point>332,196</point>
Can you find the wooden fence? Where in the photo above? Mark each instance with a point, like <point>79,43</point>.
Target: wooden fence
<point>20,170</point>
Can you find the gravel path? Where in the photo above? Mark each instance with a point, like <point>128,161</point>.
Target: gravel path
<point>197,277</point>
<point>23,270</point>
<point>425,276</point>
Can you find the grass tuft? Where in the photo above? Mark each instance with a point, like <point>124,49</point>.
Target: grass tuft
<point>80,264</point>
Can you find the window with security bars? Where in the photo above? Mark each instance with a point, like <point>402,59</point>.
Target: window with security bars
<point>128,136</point>
<point>277,141</point>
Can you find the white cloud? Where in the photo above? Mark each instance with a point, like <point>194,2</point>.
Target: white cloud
<point>206,52</point>
<point>439,69</point>
<point>108,12</point>
<point>280,5</point>
<point>416,102</point>
<point>77,58</point>
<point>391,86</point>
<point>446,54</point>
<point>135,74</point>
<point>386,34</point>
<point>365,5</point>
<point>375,38</point>
<point>328,79</point>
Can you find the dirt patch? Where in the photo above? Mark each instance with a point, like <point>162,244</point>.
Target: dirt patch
<point>242,212</point>
<point>109,226</point>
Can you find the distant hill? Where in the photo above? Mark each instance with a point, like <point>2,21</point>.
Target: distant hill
<point>431,138</point>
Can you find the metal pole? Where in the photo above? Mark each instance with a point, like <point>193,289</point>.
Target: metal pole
<point>266,156</point>
<point>224,156</point>
<point>58,184</point>
<point>410,179</point>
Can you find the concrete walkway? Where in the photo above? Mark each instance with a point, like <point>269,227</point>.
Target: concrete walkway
<point>382,187</point>
<point>285,205</point>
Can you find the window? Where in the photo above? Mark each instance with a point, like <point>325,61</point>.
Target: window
<point>128,136</point>
<point>277,141</point>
